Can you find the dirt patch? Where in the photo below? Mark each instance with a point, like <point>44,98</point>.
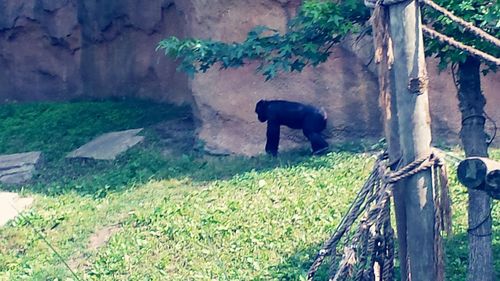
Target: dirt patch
<point>97,240</point>
<point>102,236</point>
<point>11,205</point>
<point>177,136</point>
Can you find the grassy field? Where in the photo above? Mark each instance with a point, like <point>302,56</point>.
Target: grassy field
<point>183,217</point>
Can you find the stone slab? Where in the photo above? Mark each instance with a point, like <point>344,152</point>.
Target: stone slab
<point>108,146</point>
<point>11,205</point>
<point>18,168</point>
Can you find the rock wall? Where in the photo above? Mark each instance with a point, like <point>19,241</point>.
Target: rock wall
<point>226,99</point>
<point>443,102</point>
<point>69,49</point>
<point>346,86</point>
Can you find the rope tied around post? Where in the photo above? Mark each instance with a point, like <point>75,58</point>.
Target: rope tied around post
<point>370,249</point>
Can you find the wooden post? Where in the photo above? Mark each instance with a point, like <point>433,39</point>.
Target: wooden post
<point>415,136</point>
<point>388,104</point>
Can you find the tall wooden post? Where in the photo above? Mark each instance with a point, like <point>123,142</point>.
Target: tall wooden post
<point>415,136</point>
<point>388,104</point>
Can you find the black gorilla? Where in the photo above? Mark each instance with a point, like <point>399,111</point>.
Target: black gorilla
<point>293,115</point>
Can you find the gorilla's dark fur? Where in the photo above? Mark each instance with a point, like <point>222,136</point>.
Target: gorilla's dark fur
<point>293,115</point>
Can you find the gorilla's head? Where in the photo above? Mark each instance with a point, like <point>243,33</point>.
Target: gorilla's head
<point>261,110</point>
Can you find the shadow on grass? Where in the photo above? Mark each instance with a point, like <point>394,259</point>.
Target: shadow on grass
<point>295,267</point>
<point>145,162</point>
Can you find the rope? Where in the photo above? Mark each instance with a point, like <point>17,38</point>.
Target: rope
<point>388,272</point>
<point>411,169</point>
<point>443,38</point>
<point>450,41</point>
<point>442,215</point>
<point>474,116</point>
<point>370,252</point>
<point>471,230</point>
<point>344,226</point>
<point>492,138</point>
<point>467,25</point>
<point>365,195</point>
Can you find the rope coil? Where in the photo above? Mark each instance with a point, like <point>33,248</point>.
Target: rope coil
<point>370,251</point>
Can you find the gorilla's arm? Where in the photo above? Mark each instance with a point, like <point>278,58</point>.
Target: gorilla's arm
<point>273,137</point>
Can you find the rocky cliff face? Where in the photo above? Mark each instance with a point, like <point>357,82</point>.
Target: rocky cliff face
<point>66,49</point>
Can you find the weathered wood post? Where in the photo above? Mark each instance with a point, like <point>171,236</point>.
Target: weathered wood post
<point>415,137</point>
<point>388,104</point>
<point>408,82</point>
<point>493,179</point>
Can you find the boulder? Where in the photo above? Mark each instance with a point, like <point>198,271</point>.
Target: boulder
<point>18,168</point>
<point>108,146</point>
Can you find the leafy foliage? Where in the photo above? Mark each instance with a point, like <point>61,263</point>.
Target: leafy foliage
<point>321,24</point>
<point>318,26</point>
<point>484,14</point>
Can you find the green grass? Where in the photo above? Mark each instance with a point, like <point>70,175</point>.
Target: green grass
<point>58,128</point>
<point>185,217</point>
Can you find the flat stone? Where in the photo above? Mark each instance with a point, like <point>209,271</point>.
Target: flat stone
<point>18,168</point>
<point>108,146</point>
<point>11,205</point>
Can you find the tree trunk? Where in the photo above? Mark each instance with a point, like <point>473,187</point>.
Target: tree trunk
<point>415,138</point>
<point>471,103</point>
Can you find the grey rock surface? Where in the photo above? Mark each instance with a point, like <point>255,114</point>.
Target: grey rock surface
<point>18,168</point>
<point>65,49</point>
<point>108,146</point>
